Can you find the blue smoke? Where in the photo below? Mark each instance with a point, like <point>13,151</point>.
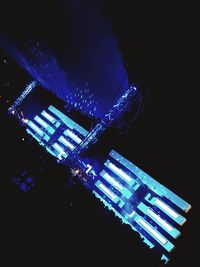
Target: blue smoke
<point>83,65</point>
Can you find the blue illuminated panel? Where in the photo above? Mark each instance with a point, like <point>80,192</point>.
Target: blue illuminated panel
<point>152,183</point>
<point>147,212</point>
<point>169,211</point>
<point>58,143</point>
<point>137,199</point>
<point>171,230</point>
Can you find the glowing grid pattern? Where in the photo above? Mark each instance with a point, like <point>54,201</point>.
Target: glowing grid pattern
<point>44,130</point>
<point>117,184</point>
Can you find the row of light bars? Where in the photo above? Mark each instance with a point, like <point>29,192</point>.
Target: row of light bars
<point>117,184</point>
<point>153,218</point>
<point>45,125</point>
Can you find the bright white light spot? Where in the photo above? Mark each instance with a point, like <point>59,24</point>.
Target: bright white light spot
<point>166,208</point>
<point>120,172</point>
<point>152,231</point>
<point>160,220</point>
<point>107,191</point>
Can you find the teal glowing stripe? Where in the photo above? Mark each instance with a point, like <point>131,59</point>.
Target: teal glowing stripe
<point>72,136</point>
<point>60,151</point>
<point>154,216</point>
<point>41,121</point>
<point>58,147</point>
<point>155,234</point>
<point>150,182</point>
<point>164,206</point>
<point>70,123</point>
<point>35,128</point>
<point>174,215</point>
<point>166,209</point>
<point>44,124</point>
<point>66,143</point>
<point>46,137</point>
<point>106,191</point>
<point>152,231</point>
<point>116,184</point>
<point>48,116</point>
<point>119,172</point>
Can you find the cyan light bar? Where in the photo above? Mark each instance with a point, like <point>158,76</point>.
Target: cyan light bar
<point>35,128</point>
<point>44,124</point>
<point>156,218</point>
<point>119,172</point>
<point>73,136</point>
<point>60,150</point>
<point>106,191</point>
<point>113,181</point>
<point>48,116</point>
<point>151,230</point>
<point>178,218</point>
<point>116,184</point>
<point>164,206</point>
<point>41,121</point>
<point>58,147</point>
<point>66,143</point>
<point>160,220</point>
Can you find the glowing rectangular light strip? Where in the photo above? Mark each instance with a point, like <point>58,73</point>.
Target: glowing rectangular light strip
<point>35,127</point>
<point>152,231</point>
<point>41,122</point>
<point>73,136</point>
<point>48,117</point>
<point>113,181</point>
<point>160,220</point>
<point>107,191</point>
<point>120,172</point>
<point>58,148</point>
<point>65,142</point>
<point>166,208</point>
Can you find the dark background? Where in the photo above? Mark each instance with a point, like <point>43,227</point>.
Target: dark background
<point>159,47</point>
